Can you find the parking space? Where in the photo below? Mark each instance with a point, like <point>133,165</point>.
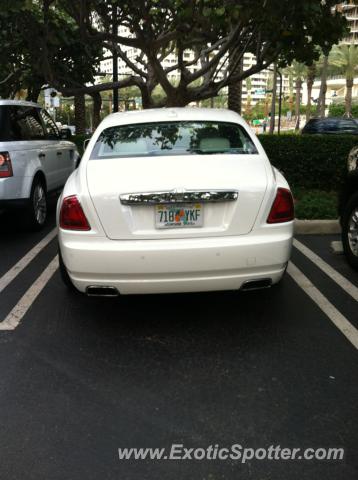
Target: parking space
<point>83,377</point>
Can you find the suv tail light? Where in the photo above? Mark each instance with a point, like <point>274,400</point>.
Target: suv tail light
<point>5,165</point>
<point>282,209</point>
<point>72,216</point>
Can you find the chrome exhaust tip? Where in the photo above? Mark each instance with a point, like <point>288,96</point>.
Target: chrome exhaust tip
<point>256,284</point>
<point>101,291</point>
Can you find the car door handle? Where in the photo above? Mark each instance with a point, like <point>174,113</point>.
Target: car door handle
<point>59,153</point>
<point>41,155</point>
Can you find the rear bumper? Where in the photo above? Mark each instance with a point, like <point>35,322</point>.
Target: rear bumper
<point>15,188</point>
<point>176,265</point>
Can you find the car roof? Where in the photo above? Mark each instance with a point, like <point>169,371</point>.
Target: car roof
<point>20,103</point>
<point>171,114</point>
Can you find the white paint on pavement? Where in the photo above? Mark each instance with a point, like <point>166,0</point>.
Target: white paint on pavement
<point>17,313</point>
<point>342,281</point>
<point>337,247</point>
<point>350,332</point>
<point>11,274</point>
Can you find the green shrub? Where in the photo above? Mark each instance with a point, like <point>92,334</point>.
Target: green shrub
<point>338,110</point>
<point>310,161</point>
<point>315,204</point>
<point>78,140</point>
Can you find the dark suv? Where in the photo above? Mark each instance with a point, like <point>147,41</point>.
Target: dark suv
<point>331,125</point>
<point>348,209</point>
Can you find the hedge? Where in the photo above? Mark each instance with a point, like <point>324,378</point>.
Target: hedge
<point>310,161</point>
<point>78,140</point>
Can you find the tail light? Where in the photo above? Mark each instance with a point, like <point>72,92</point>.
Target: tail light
<point>5,165</point>
<point>72,216</point>
<point>282,209</point>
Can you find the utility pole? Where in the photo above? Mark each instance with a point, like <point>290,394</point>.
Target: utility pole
<point>115,58</point>
<point>273,103</point>
<point>280,103</point>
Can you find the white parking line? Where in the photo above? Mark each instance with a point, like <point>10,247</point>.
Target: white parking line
<point>324,304</point>
<point>17,313</point>
<point>342,281</point>
<point>9,276</point>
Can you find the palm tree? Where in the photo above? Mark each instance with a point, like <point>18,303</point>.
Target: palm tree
<point>345,59</point>
<point>310,77</point>
<point>323,67</point>
<point>298,71</point>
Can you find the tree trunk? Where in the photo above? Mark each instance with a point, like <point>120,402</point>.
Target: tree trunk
<point>310,81</point>
<point>33,93</point>
<point>298,103</point>
<point>235,97</point>
<point>321,107</point>
<point>348,99</point>
<point>309,102</point>
<point>235,91</point>
<point>97,105</point>
<point>80,114</point>
<point>273,102</point>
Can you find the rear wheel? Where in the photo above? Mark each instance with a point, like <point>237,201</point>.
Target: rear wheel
<point>350,231</point>
<point>37,210</point>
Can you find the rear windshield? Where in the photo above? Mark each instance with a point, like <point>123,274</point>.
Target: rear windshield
<point>173,138</point>
<point>331,125</point>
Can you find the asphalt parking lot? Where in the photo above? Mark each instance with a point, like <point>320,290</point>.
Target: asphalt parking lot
<point>82,377</point>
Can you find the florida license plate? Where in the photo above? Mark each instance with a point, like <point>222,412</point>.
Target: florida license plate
<point>179,216</point>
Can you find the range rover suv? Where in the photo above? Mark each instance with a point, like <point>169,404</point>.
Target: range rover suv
<point>35,159</point>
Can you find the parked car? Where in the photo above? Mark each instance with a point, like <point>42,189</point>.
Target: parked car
<point>331,125</point>
<point>34,159</point>
<point>348,209</point>
<point>174,200</point>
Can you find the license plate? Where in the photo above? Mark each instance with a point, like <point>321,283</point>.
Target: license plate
<point>179,216</point>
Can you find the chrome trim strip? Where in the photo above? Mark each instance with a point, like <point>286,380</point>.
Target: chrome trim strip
<point>176,196</point>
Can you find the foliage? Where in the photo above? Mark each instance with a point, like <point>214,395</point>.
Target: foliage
<point>211,29</point>
<point>316,204</point>
<point>40,44</point>
<point>344,58</point>
<point>78,140</point>
<point>310,161</point>
<point>338,110</point>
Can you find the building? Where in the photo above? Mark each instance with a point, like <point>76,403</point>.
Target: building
<point>350,10</point>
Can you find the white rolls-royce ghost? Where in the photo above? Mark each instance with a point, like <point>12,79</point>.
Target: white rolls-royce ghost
<point>174,200</point>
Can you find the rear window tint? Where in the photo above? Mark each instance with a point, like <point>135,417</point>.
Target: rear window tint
<point>173,138</point>
<point>20,123</point>
<point>330,125</point>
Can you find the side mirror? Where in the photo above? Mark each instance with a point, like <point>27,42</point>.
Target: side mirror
<point>85,143</point>
<point>65,134</point>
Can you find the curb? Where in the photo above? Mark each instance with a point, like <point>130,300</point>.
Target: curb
<point>317,227</point>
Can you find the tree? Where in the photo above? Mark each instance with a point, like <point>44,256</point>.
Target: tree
<point>299,72</point>
<point>310,77</point>
<point>345,59</point>
<point>323,67</point>
<point>235,89</point>
<point>211,30</point>
<point>40,45</point>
